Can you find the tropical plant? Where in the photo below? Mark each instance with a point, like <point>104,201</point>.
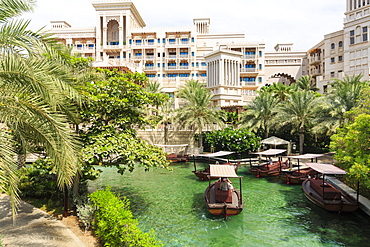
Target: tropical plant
<point>166,114</point>
<point>229,139</point>
<point>305,83</point>
<point>259,113</point>
<point>280,91</point>
<point>114,109</point>
<point>351,146</point>
<point>35,98</point>
<point>198,111</point>
<point>299,111</point>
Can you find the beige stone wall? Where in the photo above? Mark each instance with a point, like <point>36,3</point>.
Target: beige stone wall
<point>175,137</point>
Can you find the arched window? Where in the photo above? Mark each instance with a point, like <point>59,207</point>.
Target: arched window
<point>332,46</point>
<point>340,44</point>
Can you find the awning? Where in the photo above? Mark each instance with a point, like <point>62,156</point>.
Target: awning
<point>326,168</point>
<point>305,156</point>
<point>273,140</point>
<point>271,152</point>
<point>217,154</point>
<point>227,171</point>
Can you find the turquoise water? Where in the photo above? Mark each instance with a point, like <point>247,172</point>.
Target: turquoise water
<point>171,203</point>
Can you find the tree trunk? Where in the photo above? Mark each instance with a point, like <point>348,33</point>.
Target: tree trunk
<point>165,134</point>
<point>301,140</point>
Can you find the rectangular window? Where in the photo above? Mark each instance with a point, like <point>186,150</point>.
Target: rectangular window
<point>192,39</point>
<point>332,74</point>
<point>332,60</point>
<point>259,66</point>
<point>192,54</point>
<point>340,58</point>
<point>91,45</point>
<point>159,65</point>
<point>364,29</point>
<point>159,40</point>
<point>260,53</point>
<point>203,64</point>
<point>138,41</point>
<point>259,79</point>
<point>364,37</point>
<point>351,40</point>
<point>171,41</point>
<point>163,41</point>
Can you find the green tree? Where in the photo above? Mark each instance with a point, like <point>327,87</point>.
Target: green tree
<point>35,97</point>
<point>351,146</point>
<point>198,111</point>
<point>299,111</point>
<point>280,91</point>
<point>305,83</point>
<point>259,113</point>
<point>114,109</point>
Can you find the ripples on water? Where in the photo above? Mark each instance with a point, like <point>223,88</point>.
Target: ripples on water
<point>171,202</point>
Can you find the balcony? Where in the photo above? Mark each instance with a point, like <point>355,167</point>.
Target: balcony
<point>149,57</point>
<point>249,57</point>
<point>138,57</point>
<point>248,70</point>
<point>150,67</point>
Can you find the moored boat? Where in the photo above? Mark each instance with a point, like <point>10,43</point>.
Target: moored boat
<point>269,168</point>
<point>298,173</point>
<point>324,194</point>
<point>205,173</point>
<point>223,202</point>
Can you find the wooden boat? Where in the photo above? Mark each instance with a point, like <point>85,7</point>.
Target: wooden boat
<point>219,202</point>
<point>177,158</point>
<point>324,194</point>
<point>176,153</point>
<point>205,174</point>
<point>269,168</point>
<point>299,173</point>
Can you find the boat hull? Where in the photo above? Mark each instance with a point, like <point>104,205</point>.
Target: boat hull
<point>228,207</point>
<point>343,204</point>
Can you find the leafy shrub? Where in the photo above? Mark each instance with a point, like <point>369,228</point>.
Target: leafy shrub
<point>39,180</point>
<point>114,223</point>
<point>85,210</point>
<point>229,139</point>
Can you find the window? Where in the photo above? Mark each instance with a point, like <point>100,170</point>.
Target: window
<point>352,37</point>
<point>192,54</point>
<point>332,74</point>
<point>204,64</point>
<point>159,40</point>
<point>159,65</point>
<point>260,53</point>
<point>259,66</point>
<point>163,41</point>
<point>340,58</point>
<point>91,45</point>
<point>138,41</point>
<point>192,39</point>
<point>364,34</point>
<point>340,44</point>
<point>332,60</point>
<point>259,79</point>
<point>332,46</point>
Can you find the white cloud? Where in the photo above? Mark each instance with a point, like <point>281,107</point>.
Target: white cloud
<point>303,23</point>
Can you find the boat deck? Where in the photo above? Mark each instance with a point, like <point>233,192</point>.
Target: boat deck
<point>234,198</point>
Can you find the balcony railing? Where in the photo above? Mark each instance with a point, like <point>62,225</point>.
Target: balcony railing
<point>248,70</point>
<point>249,56</point>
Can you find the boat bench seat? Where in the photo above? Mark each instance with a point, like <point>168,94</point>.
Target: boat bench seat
<point>222,195</point>
<point>330,193</point>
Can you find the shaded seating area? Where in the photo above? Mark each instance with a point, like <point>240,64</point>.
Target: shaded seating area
<point>325,190</point>
<point>221,195</point>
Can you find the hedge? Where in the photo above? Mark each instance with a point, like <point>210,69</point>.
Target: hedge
<point>114,224</point>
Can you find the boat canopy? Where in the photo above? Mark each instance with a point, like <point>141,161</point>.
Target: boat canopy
<point>326,168</point>
<point>271,152</point>
<point>223,171</point>
<point>217,154</point>
<point>305,156</point>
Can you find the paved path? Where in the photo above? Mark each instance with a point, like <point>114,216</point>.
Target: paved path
<point>34,228</point>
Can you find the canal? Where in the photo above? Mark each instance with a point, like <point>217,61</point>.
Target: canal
<point>171,203</point>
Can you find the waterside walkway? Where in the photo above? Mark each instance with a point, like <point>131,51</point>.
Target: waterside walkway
<point>33,227</point>
<point>364,202</point>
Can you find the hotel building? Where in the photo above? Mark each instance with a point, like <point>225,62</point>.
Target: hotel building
<point>232,67</point>
<point>344,52</point>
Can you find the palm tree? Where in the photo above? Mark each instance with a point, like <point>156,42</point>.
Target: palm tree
<point>305,83</point>
<point>259,113</point>
<point>167,117</point>
<point>198,110</point>
<point>280,91</point>
<point>343,96</point>
<point>299,111</point>
<point>35,98</point>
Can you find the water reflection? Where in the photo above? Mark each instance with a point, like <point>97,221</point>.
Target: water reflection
<point>171,202</point>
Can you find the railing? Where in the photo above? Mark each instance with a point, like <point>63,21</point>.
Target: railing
<point>249,56</point>
<point>248,70</point>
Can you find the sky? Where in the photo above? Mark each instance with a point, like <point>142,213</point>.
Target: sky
<point>301,22</point>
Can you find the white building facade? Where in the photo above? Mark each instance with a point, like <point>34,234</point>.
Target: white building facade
<point>173,55</point>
